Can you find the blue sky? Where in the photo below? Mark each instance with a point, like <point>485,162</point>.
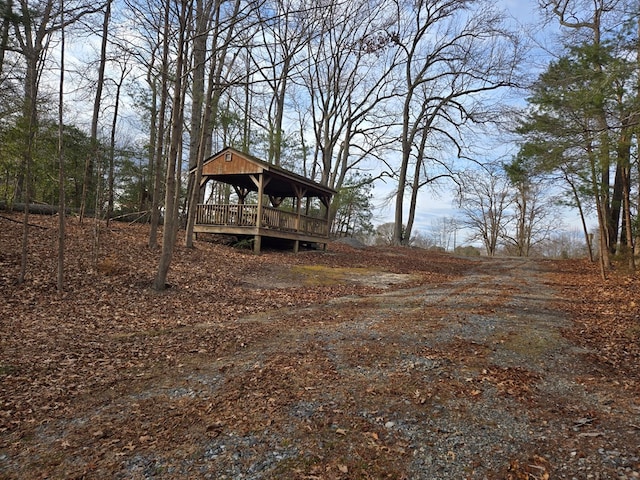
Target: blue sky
<point>521,9</point>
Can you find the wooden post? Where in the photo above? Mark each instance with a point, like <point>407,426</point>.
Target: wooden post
<point>257,239</point>
<point>326,201</point>
<point>299,196</point>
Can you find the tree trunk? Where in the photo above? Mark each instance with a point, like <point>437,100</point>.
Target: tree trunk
<point>23,186</point>
<point>628,250</point>
<point>171,189</point>
<point>209,110</point>
<point>112,144</point>
<point>275,147</point>
<point>413,201</point>
<point>153,135</point>
<point>600,187</point>
<point>24,251</point>
<point>622,194</point>
<point>402,174</point>
<point>585,230</point>
<point>636,249</point>
<point>197,101</point>
<point>246,122</point>
<point>88,183</point>
<point>196,175</point>
<point>61,174</point>
<point>616,203</point>
<point>603,250</point>
<point>6,17</point>
<point>159,135</point>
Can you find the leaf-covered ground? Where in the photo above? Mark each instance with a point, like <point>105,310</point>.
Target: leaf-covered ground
<point>349,363</point>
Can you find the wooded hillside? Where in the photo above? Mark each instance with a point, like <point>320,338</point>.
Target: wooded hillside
<point>95,381</point>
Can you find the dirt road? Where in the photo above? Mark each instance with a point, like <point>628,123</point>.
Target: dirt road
<point>465,379</point>
<point>469,379</point>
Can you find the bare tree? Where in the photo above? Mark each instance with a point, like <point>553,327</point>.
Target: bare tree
<point>33,29</point>
<point>93,156</point>
<point>32,45</point>
<point>156,33</point>
<point>484,199</point>
<point>125,70</point>
<point>6,18</point>
<point>222,59</point>
<point>532,217</point>
<point>284,30</point>
<point>444,232</point>
<point>562,244</point>
<point>61,171</point>
<point>173,165</point>
<point>153,43</point>
<point>201,26</point>
<point>348,82</point>
<point>384,234</point>
<point>37,23</point>
<point>422,240</point>
<point>453,53</point>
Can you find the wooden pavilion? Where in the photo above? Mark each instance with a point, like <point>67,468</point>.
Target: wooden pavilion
<point>289,215</point>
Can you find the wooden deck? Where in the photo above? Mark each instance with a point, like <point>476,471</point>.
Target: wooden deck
<point>237,219</point>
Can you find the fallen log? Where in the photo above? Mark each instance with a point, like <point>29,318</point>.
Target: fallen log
<point>35,208</point>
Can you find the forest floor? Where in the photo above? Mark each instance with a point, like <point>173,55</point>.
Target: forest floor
<point>348,363</point>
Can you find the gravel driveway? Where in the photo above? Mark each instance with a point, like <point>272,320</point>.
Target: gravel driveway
<point>470,378</point>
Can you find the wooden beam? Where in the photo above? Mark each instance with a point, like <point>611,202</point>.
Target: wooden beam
<point>257,181</point>
<point>299,191</point>
<point>242,193</point>
<point>276,201</point>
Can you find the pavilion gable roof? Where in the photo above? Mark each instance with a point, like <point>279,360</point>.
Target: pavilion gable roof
<point>237,168</point>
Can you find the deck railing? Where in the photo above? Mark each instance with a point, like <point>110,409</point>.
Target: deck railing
<point>236,215</point>
<point>246,216</point>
